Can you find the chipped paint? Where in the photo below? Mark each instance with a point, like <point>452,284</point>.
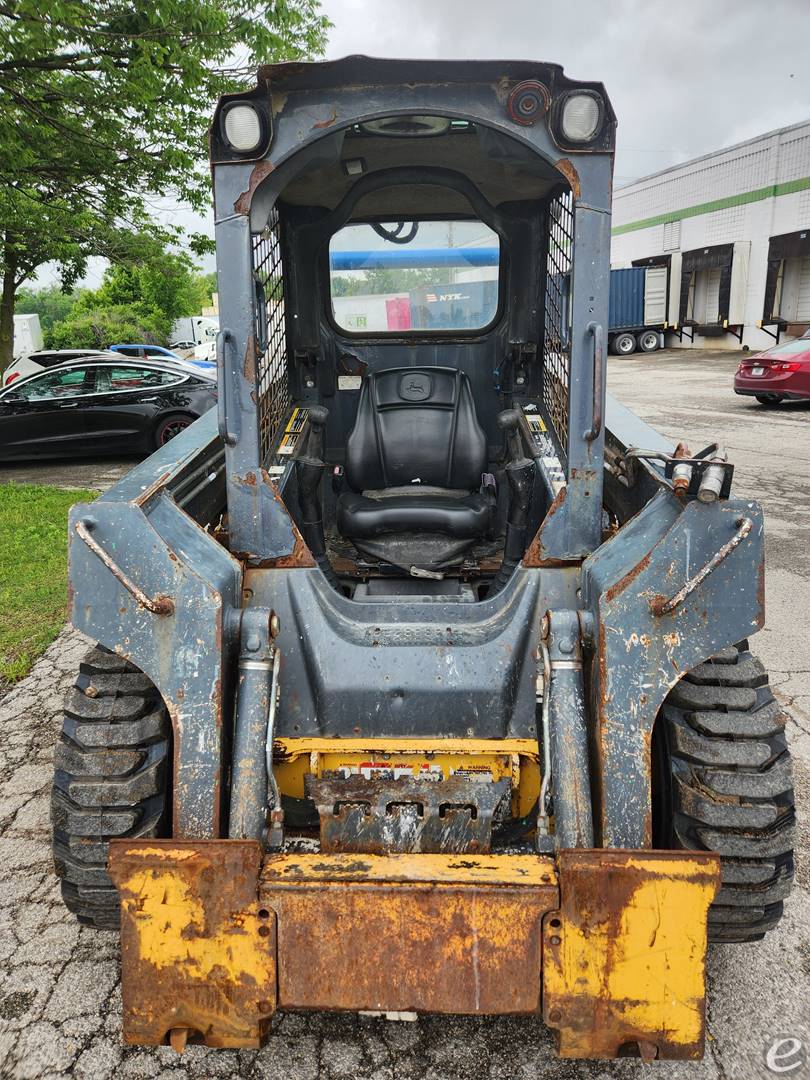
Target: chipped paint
<point>260,172</point>
<point>624,957</point>
<point>566,167</point>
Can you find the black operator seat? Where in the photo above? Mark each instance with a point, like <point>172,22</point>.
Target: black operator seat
<point>415,462</point>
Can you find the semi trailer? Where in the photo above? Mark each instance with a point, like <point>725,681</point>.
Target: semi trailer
<point>637,309</point>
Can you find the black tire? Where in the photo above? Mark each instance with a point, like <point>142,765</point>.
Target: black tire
<point>768,399</point>
<point>624,344</point>
<point>722,782</point>
<point>169,426</point>
<point>111,779</point>
<point>648,341</point>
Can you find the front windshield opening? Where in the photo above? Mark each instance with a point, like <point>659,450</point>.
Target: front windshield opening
<point>403,276</point>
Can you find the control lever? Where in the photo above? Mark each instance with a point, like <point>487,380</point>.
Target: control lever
<point>309,469</point>
<point>520,472</point>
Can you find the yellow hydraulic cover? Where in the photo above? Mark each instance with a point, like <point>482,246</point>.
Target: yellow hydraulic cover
<point>624,957</point>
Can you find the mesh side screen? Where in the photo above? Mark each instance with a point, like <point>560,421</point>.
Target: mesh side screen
<point>557,335</point>
<point>273,383</point>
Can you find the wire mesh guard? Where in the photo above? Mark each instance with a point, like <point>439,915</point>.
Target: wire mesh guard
<point>557,336</point>
<point>273,383</point>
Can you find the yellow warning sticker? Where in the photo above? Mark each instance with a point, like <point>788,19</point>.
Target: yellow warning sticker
<point>295,426</point>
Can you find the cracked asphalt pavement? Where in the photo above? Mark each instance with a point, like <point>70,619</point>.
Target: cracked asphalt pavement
<point>60,985</point>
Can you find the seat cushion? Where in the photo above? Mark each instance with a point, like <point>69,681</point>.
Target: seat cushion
<point>465,518</point>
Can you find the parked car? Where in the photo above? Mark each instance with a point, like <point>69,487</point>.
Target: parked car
<point>100,405</point>
<point>157,352</point>
<point>777,374</point>
<point>144,352</point>
<point>44,359</point>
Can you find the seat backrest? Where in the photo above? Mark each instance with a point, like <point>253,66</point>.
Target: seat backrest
<point>416,424</point>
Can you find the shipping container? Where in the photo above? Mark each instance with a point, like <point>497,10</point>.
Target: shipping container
<point>637,311</point>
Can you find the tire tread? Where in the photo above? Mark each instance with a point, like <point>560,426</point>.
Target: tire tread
<point>731,788</point>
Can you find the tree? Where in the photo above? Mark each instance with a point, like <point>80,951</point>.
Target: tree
<point>385,279</point>
<point>161,280</point>
<point>104,107</point>
<point>91,326</point>
<point>51,303</point>
<point>136,301</point>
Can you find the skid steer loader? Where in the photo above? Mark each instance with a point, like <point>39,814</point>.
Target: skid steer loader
<point>423,681</point>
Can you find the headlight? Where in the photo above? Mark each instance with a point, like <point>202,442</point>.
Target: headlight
<point>243,128</point>
<point>581,117</point>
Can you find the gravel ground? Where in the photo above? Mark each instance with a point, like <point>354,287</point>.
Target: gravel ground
<point>59,984</point>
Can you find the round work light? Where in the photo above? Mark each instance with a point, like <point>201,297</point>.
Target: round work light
<point>243,128</point>
<point>581,116</point>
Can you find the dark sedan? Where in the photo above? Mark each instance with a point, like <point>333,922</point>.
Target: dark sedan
<point>100,406</point>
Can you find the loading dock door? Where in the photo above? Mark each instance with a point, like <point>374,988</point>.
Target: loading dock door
<point>803,304</point>
<point>712,295</point>
<point>655,296</point>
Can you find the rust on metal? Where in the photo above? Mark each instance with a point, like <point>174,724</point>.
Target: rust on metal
<point>300,556</point>
<point>158,605</point>
<point>624,957</point>
<point>260,172</point>
<point>328,121</point>
<point>681,477</point>
<point>659,605</point>
<point>198,951</point>
<point>401,933</point>
<point>566,167</point>
<point>381,816</point>
<point>619,587</point>
<point>535,556</point>
<point>251,357</point>
<point>152,489</point>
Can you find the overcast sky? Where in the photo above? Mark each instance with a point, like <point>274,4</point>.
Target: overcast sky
<point>685,76</point>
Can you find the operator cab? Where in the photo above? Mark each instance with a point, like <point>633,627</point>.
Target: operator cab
<point>425,438</point>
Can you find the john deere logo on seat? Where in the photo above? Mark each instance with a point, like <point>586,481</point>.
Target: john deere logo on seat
<point>414,387</point>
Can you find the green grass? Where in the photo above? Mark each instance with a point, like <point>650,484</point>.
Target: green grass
<point>33,572</point>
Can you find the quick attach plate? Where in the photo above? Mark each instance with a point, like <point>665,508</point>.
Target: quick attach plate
<point>382,816</point>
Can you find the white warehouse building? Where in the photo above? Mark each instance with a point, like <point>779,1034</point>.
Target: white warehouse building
<point>733,231</point>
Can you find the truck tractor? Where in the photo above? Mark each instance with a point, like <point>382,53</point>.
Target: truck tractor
<point>423,681</point>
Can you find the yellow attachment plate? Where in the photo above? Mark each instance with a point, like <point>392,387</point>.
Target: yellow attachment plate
<point>198,958</point>
<point>215,937</point>
<point>624,957</point>
<point>400,933</point>
<point>516,760</point>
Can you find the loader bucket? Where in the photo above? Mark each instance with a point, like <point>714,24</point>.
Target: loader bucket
<point>609,946</point>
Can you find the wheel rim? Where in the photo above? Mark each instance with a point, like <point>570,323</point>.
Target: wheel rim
<point>172,428</point>
<point>649,342</point>
<point>624,344</point>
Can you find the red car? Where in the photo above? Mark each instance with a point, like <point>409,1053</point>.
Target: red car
<point>776,375</point>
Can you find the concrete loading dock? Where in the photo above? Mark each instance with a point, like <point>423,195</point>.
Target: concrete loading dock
<point>732,230</point>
